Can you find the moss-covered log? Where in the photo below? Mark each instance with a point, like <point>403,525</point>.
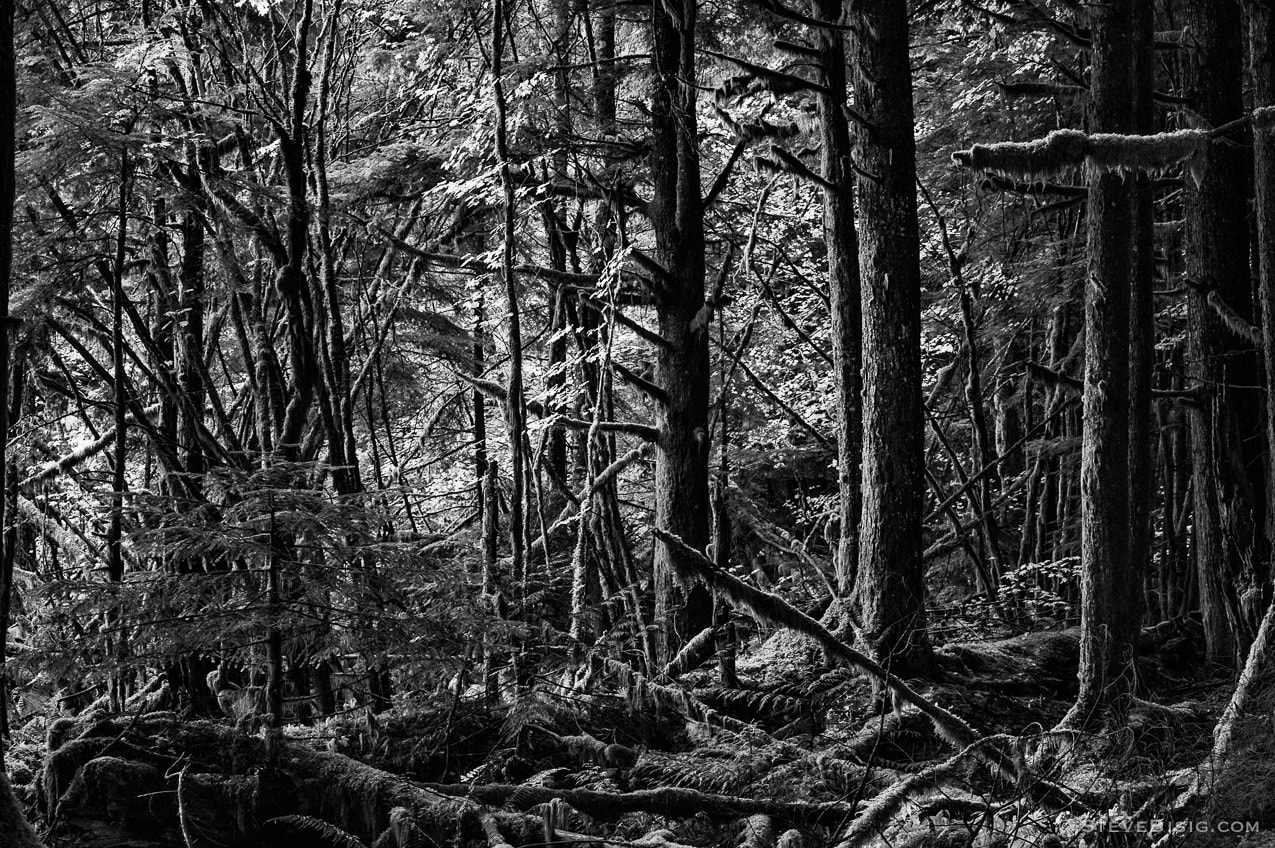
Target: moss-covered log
<point>671,801</point>
<point>172,778</point>
<point>1065,151</point>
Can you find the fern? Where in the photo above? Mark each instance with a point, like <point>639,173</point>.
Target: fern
<point>316,829</point>
<point>755,702</point>
<point>723,769</point>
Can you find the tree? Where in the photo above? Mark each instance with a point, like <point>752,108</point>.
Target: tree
<point>1141,326</point>
<point>14,829</point>
<point>8,121</point>
<point>889,590</point>
<point>842,242</point>
<point>1108,631</point>
<point>1225,424</point>
<point>682,372</point>
<point>1261,58</point>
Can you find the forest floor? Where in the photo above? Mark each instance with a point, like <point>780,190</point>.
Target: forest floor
<point>800,754</point>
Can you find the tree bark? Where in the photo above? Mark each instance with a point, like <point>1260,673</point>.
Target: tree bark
<point>516,407</point>
<point>890,591</point>
<point>1261,52</point>
<point>1107,639</point>
<point>682,372</point>
<point>1227,417</point>
<point>8,118</point>
<point>1141,326</point>
<point>14,830</point>
<point>842,243</point>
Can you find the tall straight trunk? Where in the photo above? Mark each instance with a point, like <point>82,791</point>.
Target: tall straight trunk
<point>479,408</point>
<point>290,276</point>
<point>163,308</point>
<point>119,480</point>
<point>490,568</point>
<point>8,117</point>
<point>682,504</point>
<point>516,407</point>
<point>988,484</point>
<point>189,335</point>
<point>1226,420</point>
<point>557,233</point>
<point>1141,324</point>
<point>842,242</point>
<point>342,446</point>
<point>889,589</point>
<point>1047,466</point>
<point>1261,53</point>
<point>1106,638</point>
<point>115,541</point>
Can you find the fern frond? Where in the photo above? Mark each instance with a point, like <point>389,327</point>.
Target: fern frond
<point>322,833</point>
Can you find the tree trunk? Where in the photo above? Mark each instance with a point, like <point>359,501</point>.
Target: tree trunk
<point>1108,632</point>
<point>1141,326</point>
<point>8,117</point>
<point>1226,418</point>
<point>682,363</point>
<point>515,406</point>
<point>1261,51</point>
<point>842,241</point>
<point>889,591</point>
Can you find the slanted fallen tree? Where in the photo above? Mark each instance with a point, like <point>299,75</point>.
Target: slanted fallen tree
<point>774,610</point>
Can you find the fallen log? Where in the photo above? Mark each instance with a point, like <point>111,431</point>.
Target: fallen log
<point>671,801</point>
<point>171,779</point>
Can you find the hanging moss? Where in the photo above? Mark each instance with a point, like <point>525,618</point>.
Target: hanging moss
<point>1063,152</point>
<point>1054,155</point>
<point>1145,153</point>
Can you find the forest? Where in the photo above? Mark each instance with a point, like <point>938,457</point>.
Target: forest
<point>637,423</point>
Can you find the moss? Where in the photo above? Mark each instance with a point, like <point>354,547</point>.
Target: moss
<point>1059,153</point>
<point>1063,152</point>
<point>1145,153</point>
<point>112,785</point>
<point>360,798</point>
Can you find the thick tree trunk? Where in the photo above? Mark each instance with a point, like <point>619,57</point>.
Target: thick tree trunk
<point>682,363</point>
<point>1261,51</point>
<point>1225,425</point>
<point>1141,326</point>
<point>1107,639</point>
<point>889,591</point>
<point>842,242</point>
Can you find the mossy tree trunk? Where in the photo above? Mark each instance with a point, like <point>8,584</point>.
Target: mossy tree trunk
<point>1141,324</point>
<point>1225,425</point>
<point>1261,56</point>
<point>682,505</point>
<point>1107,638</point>
<point>842,240</point>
